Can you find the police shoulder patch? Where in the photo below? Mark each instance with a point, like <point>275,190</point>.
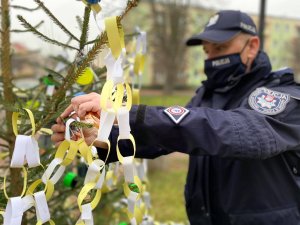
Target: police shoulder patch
<point>267,101</point>
<point>176,113</point>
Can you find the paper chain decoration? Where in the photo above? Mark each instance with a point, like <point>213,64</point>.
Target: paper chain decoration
<point>116,100</point>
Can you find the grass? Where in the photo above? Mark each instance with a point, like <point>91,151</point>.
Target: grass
<point>161,100</point>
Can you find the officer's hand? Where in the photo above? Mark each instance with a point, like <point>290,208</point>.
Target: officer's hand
<point>58,133</point>
<point>82,105</point>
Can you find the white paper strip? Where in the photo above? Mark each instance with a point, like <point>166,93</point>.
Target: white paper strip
<point>129,171</point>
<point>26,148</point>
<point>51,167</point>
<point>14,211</point>
<point>87,215</point>
<point>106,122</point>
<point>42,210</point>
<point>123,122</point>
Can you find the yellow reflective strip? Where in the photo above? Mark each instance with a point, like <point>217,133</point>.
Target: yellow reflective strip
<point>113,36</point>
<point>24,183</point>
<point>120,156</point>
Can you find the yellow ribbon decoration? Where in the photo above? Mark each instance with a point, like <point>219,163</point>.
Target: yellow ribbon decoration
<point>67,151</point>
<point>135,96</point>
<point>15,116</point>
<point>107,96</point>
<point>46,131</point>
<point>3,155</point>
<point>115,36</point>
<point>24,184</point>
<point>51,222</point>
<point>139,64</point>
<point>120,156</point>
<point>49,188</point>
<point>83,193</point>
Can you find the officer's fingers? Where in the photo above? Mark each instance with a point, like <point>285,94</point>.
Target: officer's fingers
<point>58,128</point>
<point>84,108</point>
<point>65,113</point>
<point>57,144</point>
<point>76,101</point>
<point>90,134</point>
<point>57,137</point>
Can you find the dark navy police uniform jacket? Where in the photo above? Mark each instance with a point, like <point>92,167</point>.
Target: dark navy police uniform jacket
<point>244,148</point>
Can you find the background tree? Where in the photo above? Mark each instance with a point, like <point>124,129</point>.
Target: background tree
<point>295,48</point>
<point>167,37</point>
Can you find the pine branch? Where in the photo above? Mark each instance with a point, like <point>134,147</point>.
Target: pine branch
<point>24,8</point>
<point>79,21</point>
<point>42,36</point>
<point>92,41</point>
<point>23,31</point>
<point>74,73</point>
<point>85,27</point>
<point>130,5</point>
<point>55,20</point>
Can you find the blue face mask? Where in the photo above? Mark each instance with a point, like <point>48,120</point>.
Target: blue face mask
<point>223,71</point>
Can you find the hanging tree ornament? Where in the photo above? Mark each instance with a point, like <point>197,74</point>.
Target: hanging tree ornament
<point>87,75</point>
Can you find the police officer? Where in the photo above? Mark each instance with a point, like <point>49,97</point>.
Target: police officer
<point>241,131</point>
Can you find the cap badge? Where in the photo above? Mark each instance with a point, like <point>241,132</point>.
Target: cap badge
<point>213,20</point>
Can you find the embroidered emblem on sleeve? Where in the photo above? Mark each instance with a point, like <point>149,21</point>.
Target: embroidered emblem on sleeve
<point>268,102</point>
<point>176,113</point>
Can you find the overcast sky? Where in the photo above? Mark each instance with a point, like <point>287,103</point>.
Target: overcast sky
<point>66,10</point>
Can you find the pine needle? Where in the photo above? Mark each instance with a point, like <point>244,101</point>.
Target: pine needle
<point>42,36</point>
<point>55,20</point>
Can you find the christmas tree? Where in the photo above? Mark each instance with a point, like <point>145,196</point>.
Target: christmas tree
<point>46,101</point>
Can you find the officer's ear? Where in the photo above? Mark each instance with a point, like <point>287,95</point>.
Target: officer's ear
<point>254,45</point>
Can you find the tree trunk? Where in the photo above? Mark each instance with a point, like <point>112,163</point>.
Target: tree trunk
<point>16,183</point>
